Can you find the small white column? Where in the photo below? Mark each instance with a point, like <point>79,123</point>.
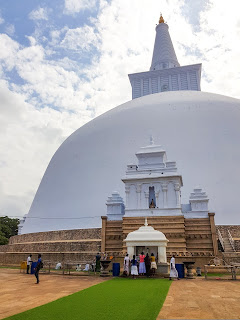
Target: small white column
<point>177,191</point>
<point>127,191</point>
<point>138,190</point>
<point>164,190</point>
<point>157,191</point>
<point>147,198</point>
<point>162,256</point>
<point>130,251</point>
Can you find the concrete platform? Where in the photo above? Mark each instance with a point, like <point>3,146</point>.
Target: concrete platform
<point>202,299</point>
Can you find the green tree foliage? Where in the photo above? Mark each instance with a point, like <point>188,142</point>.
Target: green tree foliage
<point>8,228</point>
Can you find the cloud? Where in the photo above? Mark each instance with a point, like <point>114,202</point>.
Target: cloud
<point>8,51</point>
<point>75,6</point>
<point>80,38</point>
<point>29,137</point>
<point>10,29</point>
<point>39,14</point>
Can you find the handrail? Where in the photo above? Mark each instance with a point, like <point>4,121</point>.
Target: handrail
<point>220,238</point>
<point>230,238</point>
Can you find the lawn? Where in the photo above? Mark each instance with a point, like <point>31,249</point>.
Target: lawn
<point>116,299</point>
<point>218,274</point>
<point>9,267</point>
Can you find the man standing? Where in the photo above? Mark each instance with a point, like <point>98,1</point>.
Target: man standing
<point>38,267</point>
<point>29,261</point>
<point>173,270</point>
<point>98,266</point>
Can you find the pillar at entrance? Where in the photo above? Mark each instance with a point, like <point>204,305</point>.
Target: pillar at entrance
<point>162,255</point>
<point>130,251</point>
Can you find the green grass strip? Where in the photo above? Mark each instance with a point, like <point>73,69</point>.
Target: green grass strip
<point>219,274</point>
<point>114,299</point>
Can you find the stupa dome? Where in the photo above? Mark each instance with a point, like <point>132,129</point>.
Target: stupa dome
<point>199,130</point>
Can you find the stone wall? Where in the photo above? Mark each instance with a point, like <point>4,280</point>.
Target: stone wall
<point>234,230</point>
<point>76,246</point>
<point>237,245</point>
<point>3,248</point>
<point>59,246</point>
<point>15,259</point>
<point>61,235</point>
<point>81,245</point>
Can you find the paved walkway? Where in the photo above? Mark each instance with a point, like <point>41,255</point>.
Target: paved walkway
<point>201,299</point>
<point>187,299</point>
<point>19,292</point>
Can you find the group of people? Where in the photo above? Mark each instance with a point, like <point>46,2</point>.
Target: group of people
<point>37,268</point>
<point>146,265</point>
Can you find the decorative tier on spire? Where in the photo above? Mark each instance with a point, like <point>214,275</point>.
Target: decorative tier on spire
<point>165,72</point>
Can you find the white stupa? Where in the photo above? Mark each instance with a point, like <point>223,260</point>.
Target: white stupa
<point>200,131</point>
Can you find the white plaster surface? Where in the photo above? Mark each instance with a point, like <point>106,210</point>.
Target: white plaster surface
<point>199,130</point>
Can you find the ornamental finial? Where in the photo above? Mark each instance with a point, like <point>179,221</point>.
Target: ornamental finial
<point>151,140</point>
<point>161,20</point>
<point>145,224</point>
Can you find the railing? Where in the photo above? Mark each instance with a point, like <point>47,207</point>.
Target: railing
<point>220,238</point>
<point>230,238</point>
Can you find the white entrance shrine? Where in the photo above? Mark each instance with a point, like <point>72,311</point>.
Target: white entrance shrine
<point>148,240</point>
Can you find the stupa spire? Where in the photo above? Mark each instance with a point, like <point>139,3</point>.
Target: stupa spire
<point>165,73</point>
<point>164,55</point>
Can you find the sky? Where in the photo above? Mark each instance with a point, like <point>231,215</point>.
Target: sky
<point>64,62</point>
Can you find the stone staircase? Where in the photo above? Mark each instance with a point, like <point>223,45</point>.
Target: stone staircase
<point>227,245</point>
<point>225,236</point>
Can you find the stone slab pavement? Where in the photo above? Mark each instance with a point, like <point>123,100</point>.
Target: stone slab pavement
<point>202,299</point>
<point>187,299</point>
<point>18,291</point>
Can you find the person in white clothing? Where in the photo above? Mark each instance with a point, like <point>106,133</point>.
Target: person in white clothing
<point>87,267</point>
<point>173,270</point>
<point>126,264</point>
<point>58,266</point>
<point>29,261</point>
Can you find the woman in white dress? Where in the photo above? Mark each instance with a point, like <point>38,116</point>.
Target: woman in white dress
<point>173,270</point>
<point>126,265</point>
<point>134,270</point>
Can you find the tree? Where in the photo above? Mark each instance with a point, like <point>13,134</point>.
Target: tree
<point>8,228</point>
